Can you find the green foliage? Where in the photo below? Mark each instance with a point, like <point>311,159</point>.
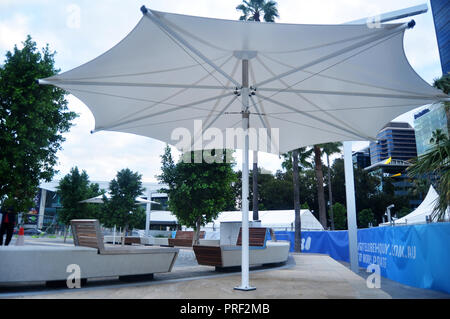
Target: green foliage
<point>403,212</point>
<point>305,206</point>
<point>366,217</point>
<point>121,209</point>
<point>32,120</point>
<point>73,188</point>
<point>340,216</point>
<point>197,192</point>
<point>436,162</point>
<point>251,10</point>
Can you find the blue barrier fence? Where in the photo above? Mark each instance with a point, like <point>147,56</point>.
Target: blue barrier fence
<point>415,255</point>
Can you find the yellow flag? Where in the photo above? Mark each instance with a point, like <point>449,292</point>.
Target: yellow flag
<point>388,160</point>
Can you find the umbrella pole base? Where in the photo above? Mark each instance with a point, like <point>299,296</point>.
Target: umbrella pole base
<point>245,288</point>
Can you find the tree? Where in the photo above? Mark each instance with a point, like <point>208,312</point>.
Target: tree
<point>253,9</point>
<point>366,218</point>
<point>330,149</point>
<point>340,216</point>
<point>32,120</point>
<point>443,84</point>
<point>121,209</point>
<point>73,188</point>
<point>197,192</point>
<point>292,161</point>
<point>436,162</point>
<point>320,189</point>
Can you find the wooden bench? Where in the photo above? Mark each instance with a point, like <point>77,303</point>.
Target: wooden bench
<point>184,238</point>
<point>213,255</point>
<point>86,232</point>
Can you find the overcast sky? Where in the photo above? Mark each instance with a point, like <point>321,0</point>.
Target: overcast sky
<point>81,30</point>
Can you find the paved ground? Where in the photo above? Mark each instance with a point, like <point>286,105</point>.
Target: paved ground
<point>304,276</point>
<point>310,276</point>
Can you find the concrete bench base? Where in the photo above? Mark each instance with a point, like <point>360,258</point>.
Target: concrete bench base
<point>274,252</point>
<point>45,263</point>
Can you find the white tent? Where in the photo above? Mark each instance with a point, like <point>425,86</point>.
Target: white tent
<point>276,219</point>
<point>419,215</point>
<point>314,83</point>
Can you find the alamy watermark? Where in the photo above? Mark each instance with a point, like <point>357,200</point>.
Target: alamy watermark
<point>374,22</point>
<point>73,20</point>
<point>74,279</point>
<point>374,279</point>
<point>209,144</point>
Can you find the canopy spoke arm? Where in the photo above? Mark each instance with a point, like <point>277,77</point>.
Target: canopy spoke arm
<point>312,127</point>
<point>359,83</point>
<point>220,113</point>
<point>287,87</point>
<point>163,112</point>
<point>338,53</point>
<point>148,13</point>
<point>316,118</point>
<point>365,94</point>
<point>131,84</point>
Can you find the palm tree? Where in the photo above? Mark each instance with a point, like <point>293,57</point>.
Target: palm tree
<point>292,161</point>
<point>253,9</point>
<point>436,162</point>
<point>330,149</point>
<point>320,189</point>
<point>443,84</point>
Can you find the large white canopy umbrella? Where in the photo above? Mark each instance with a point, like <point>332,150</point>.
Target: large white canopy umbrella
<point>315,83</point>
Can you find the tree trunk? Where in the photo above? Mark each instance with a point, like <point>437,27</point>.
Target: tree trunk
<point>330,193</point>
<point>125,230</point>
<point>298,225</point>
<point>255,186</point>
<point>196,239</point>
<point>320,188</point>
<point>65,233</point>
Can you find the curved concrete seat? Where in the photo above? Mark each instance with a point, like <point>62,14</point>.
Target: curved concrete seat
<point>94,258</point>
<point>261,251</point>
<point>44,263</point>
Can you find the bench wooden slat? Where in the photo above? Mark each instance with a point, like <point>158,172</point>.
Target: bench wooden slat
<point>184,238</point>
<point>257,236</point>
<point>208,255</point>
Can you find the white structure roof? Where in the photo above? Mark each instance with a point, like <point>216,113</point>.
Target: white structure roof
<point>273,218</point>
<point>269,218</point>
<point>418,216</point>
<point>154,187</point>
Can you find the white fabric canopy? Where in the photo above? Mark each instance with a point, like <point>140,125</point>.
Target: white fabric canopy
<point>418,216</point>
<point>316,83</point>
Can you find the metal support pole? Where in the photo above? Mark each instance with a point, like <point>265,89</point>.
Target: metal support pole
<point>351,207</point>
<point>42,208</point>
<point>148,212</point>
<point>245,182</point>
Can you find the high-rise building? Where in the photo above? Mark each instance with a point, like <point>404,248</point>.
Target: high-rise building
<point>426,122</point>
<point>395,140</point>
<point>362,158</point>
<point>441,17</point>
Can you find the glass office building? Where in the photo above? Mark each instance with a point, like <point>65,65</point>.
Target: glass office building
<point>362,158</point>
<point>396,140</point>
<point>426,122</point>
<point>441,17</point>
